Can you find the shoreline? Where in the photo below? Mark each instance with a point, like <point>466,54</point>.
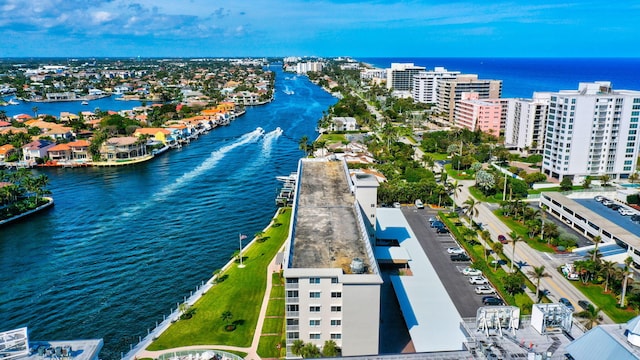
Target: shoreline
<point>200,292</point>
<point>30,212</point>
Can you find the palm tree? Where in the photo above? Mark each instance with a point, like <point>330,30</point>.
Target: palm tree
<point>604,180</point>
<point>538,273</point>
<point>471,208</point>
<point>456,188</point>
<point>226,317</point>
<point>625,272</point>
<point>594,256</point>
<point>607,268</point>
<point>515,237</point>
<point>296,347</point>
<point>634,177</point>
<point>303,144</point>
<point>590,317</point>
<point>35,111</point>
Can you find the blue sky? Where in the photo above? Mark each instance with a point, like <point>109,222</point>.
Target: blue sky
<point>436,28</point>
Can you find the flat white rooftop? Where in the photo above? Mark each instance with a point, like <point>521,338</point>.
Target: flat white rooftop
<point>431,317</point>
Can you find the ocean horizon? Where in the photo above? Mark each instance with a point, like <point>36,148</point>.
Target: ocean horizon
<point>521,77</point>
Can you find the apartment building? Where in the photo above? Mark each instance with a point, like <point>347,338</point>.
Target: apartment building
<point>425,84</point>
<point>592,131</point>
<point>526,122</point>
<point>400,76</point>
<point>332,279</point>
<point>475,114</point>
<point>450,91</point>
<point>309,66</point>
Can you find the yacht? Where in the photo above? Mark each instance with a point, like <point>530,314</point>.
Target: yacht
<point>85,102</point>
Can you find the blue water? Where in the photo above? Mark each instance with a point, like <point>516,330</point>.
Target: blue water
<point>521,77</point>
<point>612,215</point>
<point>633,186</point>
<point>55,108</point>
<point>123,245</point>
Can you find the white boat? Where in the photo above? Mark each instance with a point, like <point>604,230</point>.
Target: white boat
<point>13,102</point>
<point>85,103</point>
<point>293,177</point>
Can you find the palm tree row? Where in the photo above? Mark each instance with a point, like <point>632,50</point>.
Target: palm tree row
<point>21,190</point>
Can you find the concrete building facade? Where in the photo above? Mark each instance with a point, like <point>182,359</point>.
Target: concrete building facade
<point>425,84</point>
<point>400,76</point>
<point>526,122</point>
<point>450,92</point>
<point>475,114</point>
<point>592,131</point>
<point>332,280</point>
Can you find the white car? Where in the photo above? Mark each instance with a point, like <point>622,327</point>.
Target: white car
<point>485,290</point>
<point>419,204</point>
<point>455,250</point>
<point>396,205</point>
<point>478,280</point>
<point>469,271</point>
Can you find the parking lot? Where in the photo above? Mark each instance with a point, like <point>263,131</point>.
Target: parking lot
<point>450,272</point>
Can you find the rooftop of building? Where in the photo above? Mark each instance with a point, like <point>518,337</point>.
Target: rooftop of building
<point>327,233</point>
<point>614,229</point>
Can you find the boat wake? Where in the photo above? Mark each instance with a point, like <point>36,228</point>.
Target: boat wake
<point>269,138</point>
<point>205,166</point>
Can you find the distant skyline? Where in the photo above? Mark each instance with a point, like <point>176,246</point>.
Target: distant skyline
<point>357,28</point>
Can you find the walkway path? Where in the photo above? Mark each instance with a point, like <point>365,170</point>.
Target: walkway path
<point>556,283</point>
<point>252,351</point>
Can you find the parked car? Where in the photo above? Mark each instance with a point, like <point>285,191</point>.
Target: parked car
<point>442,230</point>
<point>396,205</point>
<point>419,204</point>
<point>607,202</point>
<point>492,300</point>
<point>459,257</point>
<point>469,271</point>
<point>615,207</point>
<point>478,280</point>
<point>432,219</point>
<point>437,224</point>
<point>584,304</point>
<point>598,198</point>
<point>626,211</point>
<point>484,290</point>
<point>455,250</point>
<point>567,303</point>
<point>503,239</point>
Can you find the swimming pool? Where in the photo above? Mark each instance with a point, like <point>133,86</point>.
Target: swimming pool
<point>634,186</point>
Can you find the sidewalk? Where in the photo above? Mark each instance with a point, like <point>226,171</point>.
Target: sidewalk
<point>527,258</point>
<point>252,351</point>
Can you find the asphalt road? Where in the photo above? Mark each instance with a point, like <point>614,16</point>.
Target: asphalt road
<point>435,247</point>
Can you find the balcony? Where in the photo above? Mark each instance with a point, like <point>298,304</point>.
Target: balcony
<point>291,286</point>
<point>293,300</point>
<point>292,314</point>
<point>293,327</point>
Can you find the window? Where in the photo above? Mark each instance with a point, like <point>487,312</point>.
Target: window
<point>336,336</point>
<point>314,308</point>
<point>292,322</point>
<point>314,294</point>
<point>292,280</point>
<point>336,322</point>
<point>314,336</point>
<point>336,294</point>
<point>293,335</point>
<point>292,307</point>
<point>292,293</point>
<point>334,280</point>
<point>336,308</point>
<point>314,322</point>
<point>314,280</point>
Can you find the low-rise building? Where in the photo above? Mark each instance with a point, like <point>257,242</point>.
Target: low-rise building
<point>121,148</point>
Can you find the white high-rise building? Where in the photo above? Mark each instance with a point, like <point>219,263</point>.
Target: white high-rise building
<point>592,131</point>
<point>332,280</point>
<point>526,119</point>
<point>400,76</point>
<point>425,84</point>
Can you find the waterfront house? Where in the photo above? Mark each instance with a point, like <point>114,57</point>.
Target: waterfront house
<point>60,152</point>
<point>63,96</point>
<point>120,148</point>
<point>340,123</point>
<point>6,151</point>
<point>80,150</point>
<point>68,117</point>
<point>245,98</point>
<point>60,133</point>
<point>4,124</point>
<point>36,150</point>
<point>22,117</point>
<point>159,134</point>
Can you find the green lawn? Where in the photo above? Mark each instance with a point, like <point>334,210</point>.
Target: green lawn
<point>333,138</point>
<point>240,293</point>
<point>437,156</point>
<point>552,189</point>
<point>476,193</point>
<point>524,232</point>
<point>607,302</point>
<point>267,348</point>
<point>273,326</point>
<point>459,175</point>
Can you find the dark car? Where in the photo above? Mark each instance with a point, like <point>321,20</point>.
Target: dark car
<point>459,257</point>
<point>567,303</point>
<point>584,304</point>
<point>437,224</point>
<point>442,230</point>
<point>492,300</point>
<point>502,239</point>
<point>615,207</point>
